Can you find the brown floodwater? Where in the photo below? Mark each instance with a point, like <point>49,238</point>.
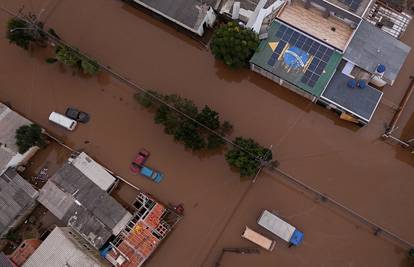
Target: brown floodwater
<point>352,165</point>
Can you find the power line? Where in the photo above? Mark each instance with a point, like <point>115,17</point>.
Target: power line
<point>326,198</point>
<point>146,92</point>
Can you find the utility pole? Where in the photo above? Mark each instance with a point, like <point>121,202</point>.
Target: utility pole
<point>393,124</point>
<point>264,162</point>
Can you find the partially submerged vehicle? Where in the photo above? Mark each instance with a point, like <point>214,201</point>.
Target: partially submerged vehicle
<point>154,175</point>
<point>139,161</point>
<point>258,239</point>
<point>63,121</point>
<point>77,115</point>
<point>280,228</point>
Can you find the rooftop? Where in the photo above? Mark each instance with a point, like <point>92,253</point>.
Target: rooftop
<point>16,196</point>
<point>78,201</point>
<point>188,13</point>
<point>10,121</point>
<point>297,57</point>
<point>94,171</point>
<point>356,7</point>
<point>357,101</point>
<point>312,21</point>
<point>5,261</point>
<point>371,46</point>
<point>143,234</point>
<point>58,250</point>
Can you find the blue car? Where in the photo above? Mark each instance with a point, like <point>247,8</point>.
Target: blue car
<point>156,176</point>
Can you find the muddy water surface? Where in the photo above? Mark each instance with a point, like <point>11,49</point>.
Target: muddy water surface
<point>350,164</point>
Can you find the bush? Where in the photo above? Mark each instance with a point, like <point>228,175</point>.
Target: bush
<point>244,162</point>
<point>185,130</point>
<point>28,136</point>
<point>234,45</point>
<point>72,58</point>
<point>411,256</point>
<point>67,56</point>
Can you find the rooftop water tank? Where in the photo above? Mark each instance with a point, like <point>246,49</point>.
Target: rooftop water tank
<point>351,83</point>
<point>380,68</point>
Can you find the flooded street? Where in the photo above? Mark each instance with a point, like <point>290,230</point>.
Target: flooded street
<point>350,164</point>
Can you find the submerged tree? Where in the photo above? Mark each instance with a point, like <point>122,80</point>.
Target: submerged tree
<point>245,162</point>
<point>72,58</point>
<point>28,136</point>
<point>18,33</point>
<point>186,130</point>
<point>411,256</point>
<point>25,30</point>
<point>234,44</point>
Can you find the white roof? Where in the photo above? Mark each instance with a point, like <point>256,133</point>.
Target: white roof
<point>276,225</point>
<point>94,171</point>
<point>59,251</point>
<point>10,121</point>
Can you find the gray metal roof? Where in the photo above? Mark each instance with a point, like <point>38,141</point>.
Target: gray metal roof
<point>4,260</point>
<point>251,4</point>
<point>188,12</point>
<point>59,249</point>
<point>371,46</point>
<point>16,196</point>
<point>80,203</point>
<point>360,102</point>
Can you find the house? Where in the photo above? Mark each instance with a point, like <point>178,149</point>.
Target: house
<point>17,200</point>
<point>94,171</point>
<point>253,14</point>
<point>24,251</point>
<point>326,51</point>
<point>81,202</point>
<point>64,247</point>
<point>149,225</point>
<point>10,121</point>
<point>193,15</point>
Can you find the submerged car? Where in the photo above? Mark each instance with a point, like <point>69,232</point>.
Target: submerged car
<point>139,161</point>
<point>156,176</point>
<point>77,115</point>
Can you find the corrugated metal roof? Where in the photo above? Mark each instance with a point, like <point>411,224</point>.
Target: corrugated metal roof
<point>16,195</point>
<point>93,171</point>
<point>371,46</point>
<point>84,206</point>
<point>4,260</point>
<point>59,251</point>
<point>188,12</point>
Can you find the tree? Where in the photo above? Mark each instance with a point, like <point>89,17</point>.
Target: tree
<point>72,58</point>
<point>185,130</point>
<point>67,56</point>
<point>234,44</point>
<point>25,30</point>
<point>245,162</point>
<point>89,67</point>
<point>28,136</point>
<point>18,33</point>
<point>411,256</point>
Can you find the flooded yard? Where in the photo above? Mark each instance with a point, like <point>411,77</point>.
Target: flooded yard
<point>352,165</point>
